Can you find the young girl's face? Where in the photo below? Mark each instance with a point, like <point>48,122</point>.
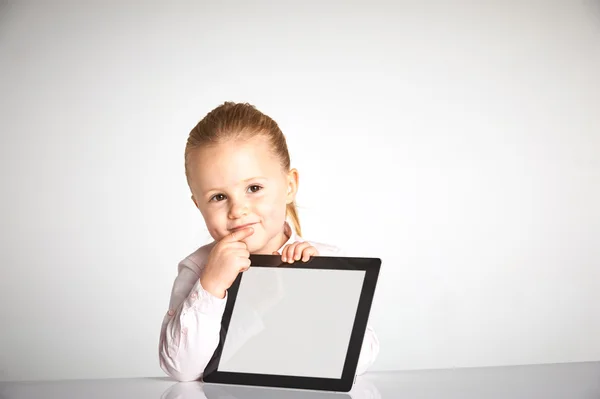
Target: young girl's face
<point>239,183</point>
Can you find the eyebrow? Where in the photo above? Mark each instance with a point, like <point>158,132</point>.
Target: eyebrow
<point>245,181</point>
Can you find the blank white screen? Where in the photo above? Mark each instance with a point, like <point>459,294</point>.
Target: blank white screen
<point>294,322</point>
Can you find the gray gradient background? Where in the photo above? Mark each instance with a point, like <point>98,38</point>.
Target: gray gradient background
<point>479,187</point>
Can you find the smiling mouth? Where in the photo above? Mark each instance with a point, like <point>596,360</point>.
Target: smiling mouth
<point>242,226</point>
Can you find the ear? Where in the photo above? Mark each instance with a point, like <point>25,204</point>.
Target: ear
<point>292,186</point>
<point>194,200</point>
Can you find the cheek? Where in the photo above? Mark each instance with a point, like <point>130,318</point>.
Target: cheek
<point>272,208</point>
<point>215,222</point>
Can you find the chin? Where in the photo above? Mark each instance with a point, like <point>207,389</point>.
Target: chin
<point>255,245</point>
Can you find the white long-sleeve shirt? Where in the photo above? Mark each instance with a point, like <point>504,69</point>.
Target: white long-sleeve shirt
<point>191,328</point>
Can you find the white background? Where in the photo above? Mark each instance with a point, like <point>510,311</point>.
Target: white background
<point>457,140</point>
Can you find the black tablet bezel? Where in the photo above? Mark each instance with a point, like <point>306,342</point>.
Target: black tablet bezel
<point>370,266</point>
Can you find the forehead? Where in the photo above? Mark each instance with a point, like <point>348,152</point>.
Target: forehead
<point>230,163</point>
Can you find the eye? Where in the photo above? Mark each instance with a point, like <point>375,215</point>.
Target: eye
<point>218,197</point>
<point>254,188</point>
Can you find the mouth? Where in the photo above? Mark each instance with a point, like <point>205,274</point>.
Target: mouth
<point>242,227</point>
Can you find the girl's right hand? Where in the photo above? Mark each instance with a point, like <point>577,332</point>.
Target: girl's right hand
<point>227,259</point>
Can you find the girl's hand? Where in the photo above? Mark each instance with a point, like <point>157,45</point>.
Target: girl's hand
<point>297,251</point>
<point>227,259</point>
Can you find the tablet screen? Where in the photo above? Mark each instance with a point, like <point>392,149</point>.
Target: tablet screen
<point>292,322</point>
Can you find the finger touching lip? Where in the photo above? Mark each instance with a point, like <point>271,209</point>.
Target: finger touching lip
<point>242,227</point>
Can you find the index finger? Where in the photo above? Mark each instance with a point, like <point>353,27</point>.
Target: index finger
<point>239,235</point>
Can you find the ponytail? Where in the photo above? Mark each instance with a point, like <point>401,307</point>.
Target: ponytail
<point>292,213</point>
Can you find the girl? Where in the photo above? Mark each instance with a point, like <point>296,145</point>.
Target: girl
<point>238,169</point>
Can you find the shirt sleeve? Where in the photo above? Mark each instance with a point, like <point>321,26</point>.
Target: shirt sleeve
<point>368,352</point>
<point>191,328</point>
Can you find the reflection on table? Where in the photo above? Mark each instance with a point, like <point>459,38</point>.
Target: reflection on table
<point>553,381</point>
<point>363,389</point>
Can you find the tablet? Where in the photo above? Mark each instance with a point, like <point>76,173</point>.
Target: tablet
<point>298,325</point>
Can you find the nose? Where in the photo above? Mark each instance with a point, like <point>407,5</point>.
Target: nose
<point>238,209</point>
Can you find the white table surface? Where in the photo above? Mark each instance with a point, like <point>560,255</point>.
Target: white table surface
<point>566,381</point>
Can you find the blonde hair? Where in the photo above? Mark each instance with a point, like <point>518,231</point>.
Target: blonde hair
<point>241,120</point>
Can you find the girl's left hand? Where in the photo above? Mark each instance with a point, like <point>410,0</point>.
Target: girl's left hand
<point>297,251</point>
